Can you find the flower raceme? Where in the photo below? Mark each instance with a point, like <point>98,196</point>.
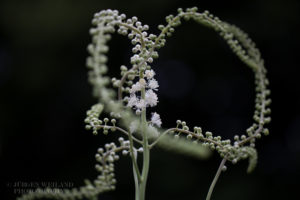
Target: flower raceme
<point>137,83</point>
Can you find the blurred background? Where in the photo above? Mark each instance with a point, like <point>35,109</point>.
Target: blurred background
<point>45,94</point>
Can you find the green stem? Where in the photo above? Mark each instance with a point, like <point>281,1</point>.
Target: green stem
<point>136,171</point>
<point>133,158</point>
<point>136,182</point>
<point>211,188</point>
<point>146,152</point>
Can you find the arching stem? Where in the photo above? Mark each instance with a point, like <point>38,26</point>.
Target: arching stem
<point>212,186</point>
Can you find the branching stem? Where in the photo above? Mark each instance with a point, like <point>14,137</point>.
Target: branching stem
<point>122,131</point>
<point>186,132</point>
<point>134,159</point>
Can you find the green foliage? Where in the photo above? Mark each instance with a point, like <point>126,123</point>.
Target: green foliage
<point>127,98</point>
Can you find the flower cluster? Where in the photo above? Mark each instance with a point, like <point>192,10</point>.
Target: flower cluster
<point>149,85</point>
<point>93,122</point>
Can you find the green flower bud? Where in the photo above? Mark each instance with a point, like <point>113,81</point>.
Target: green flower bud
<point>266,131</point>
<point>224,168</point>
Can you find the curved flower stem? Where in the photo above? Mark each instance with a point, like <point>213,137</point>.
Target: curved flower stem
<point>133,68</point>
<point>143,45</point>
<point>262,117</point>
<point>135,30</point>
<point>212,186</point>
<point>185,132</point>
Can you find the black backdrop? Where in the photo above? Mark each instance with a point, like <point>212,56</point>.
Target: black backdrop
<point>45,94</point>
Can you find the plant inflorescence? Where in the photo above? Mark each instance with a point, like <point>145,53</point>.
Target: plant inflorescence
<point>127,98</point>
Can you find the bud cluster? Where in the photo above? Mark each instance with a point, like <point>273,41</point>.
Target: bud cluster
<point>93,122</point>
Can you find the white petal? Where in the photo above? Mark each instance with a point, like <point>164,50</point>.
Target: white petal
<point>151,98</point>
<point>132,101</point>
<point>155,119</point>
<point>149,74</point>
<point>141,104</point>
<point>153,84</point>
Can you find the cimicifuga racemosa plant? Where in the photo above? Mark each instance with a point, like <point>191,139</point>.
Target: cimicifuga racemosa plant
<point>126,100</point>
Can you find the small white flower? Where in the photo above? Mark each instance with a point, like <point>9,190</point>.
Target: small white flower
<point>153,84</point>
<point>150,60</point>
<point>136,87</point>
<point>149,74</point>
<point>132,101</point>
<point>155,119</point>
<point>151,98</point>
<point>138,112</point>
<point>141,104</point>
<point>140,150</point>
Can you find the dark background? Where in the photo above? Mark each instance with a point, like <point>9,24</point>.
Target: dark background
<point>45,94</point>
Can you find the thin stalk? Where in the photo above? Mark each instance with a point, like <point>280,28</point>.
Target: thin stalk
<point>211,188</point>
<point>133,158</point>
<point>146,152</point>
<point>136,181</point>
